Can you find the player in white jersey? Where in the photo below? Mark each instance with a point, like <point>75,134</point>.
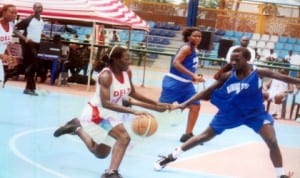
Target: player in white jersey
<point>106,113</point>
<point>8,14</point>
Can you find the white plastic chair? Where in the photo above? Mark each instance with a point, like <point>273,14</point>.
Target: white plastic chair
<point>256,36</point>
<point>265,37</point>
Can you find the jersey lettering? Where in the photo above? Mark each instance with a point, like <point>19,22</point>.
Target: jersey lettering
<point>122,92</point>
<point>237,87</point>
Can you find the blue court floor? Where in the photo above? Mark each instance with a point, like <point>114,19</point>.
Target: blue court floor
<point>29,150</point>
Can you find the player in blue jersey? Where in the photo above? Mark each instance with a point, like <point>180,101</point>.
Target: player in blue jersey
<point>237,93</point>
<point>177,85</point>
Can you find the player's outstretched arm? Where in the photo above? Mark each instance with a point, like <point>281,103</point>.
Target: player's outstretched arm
<point>160,107</point>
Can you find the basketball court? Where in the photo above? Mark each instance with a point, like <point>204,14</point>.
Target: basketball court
<point>29,150</point>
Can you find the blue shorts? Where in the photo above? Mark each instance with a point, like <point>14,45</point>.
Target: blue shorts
<point>234,118</point>
<point>176,91</point>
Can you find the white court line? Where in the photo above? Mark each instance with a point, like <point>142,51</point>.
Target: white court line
<point>13,147</point>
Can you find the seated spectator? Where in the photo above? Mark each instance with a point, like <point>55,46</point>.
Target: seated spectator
<point>277,92</point>
<point>87,38</point>
<point>74,39</point>
<point>114,37</point>
<point>46,65</point>
<point>273,57</point>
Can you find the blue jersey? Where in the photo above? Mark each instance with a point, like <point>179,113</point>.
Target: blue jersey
<point>240,102</point>
<point>245,94</point>
<point>177,86</point>
<point>190,62</point>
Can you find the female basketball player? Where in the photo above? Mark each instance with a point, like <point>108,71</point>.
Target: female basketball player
<point>8,14</point>
<point>177,85</point>
<point>106,112</point>
<point>238,95</point>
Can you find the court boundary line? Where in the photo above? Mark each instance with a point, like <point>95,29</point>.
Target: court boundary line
<point>19,154</point>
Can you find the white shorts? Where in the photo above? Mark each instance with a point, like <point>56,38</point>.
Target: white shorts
<point>99,131</point>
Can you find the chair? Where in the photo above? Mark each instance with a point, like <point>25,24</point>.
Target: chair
<point>238,34</point>
<point>252,44</point>
<point>270,45</point>
<point>261,44</point>
<point>288,47</point>
<point>278,46</point>
<point>256,37</point>
<point>296,48</point>
<point>291,40</point>
<point>265,37</point>
<point>274,38</point>
<point>229,33</point>
<point>282,39</point>
<point>248,34</point>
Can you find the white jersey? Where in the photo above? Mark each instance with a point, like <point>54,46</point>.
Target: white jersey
<point>117,89</point>
<point>35,29</point>
<point>5,37</point>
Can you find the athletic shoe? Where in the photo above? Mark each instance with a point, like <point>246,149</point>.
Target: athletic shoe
<point>114,174</point>
<point>160,164</point>
<point>30,92</point>
<point>185,137</point>
<point>285,176</point>
<point>69,128</point>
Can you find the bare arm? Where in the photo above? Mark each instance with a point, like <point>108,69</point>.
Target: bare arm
<point>143,101</point>
<point>278,76</point>
<point>206,93</point>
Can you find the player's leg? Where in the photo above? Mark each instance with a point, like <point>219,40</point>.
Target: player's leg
<point>268,134</point>
<point>191,121</point>
<point>122,138</point>
<point>205,136</point>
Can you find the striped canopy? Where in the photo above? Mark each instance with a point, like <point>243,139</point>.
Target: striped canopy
<point>110,12</point>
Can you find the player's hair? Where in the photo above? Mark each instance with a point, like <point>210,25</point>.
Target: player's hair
<point>116,52</point>
<point>188,32</point>
<point>245,52</point>
<point>5,8</point>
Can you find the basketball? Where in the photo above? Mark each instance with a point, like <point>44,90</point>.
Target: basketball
<point>144,125</point>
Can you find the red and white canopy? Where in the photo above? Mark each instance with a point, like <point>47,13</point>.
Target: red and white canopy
<point>110,12</point>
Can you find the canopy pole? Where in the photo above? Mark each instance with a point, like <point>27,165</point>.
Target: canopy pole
<point>91,56</point>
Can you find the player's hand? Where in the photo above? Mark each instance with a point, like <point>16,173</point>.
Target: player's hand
<point>198,78</point>
<point>175,106</point>
<point>161,107</point>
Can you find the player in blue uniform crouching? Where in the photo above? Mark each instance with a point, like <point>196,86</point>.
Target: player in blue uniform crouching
<point>237,93</point>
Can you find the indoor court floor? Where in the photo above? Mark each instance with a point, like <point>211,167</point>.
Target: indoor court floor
<point>29,150</point>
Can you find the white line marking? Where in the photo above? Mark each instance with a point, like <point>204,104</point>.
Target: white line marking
<point>12,145</point>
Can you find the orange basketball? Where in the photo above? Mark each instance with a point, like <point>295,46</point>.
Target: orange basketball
<point>144,125</point>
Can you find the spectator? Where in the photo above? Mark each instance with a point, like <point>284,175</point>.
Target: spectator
<point>114,37</point>
<point>273,57</point>
<point>244,42</point>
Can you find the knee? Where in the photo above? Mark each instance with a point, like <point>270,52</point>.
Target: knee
<point>125,139</point>
<point>101,150</point>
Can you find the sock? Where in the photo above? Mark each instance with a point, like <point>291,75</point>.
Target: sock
<point>279,171</point>
<point>177,152</point>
